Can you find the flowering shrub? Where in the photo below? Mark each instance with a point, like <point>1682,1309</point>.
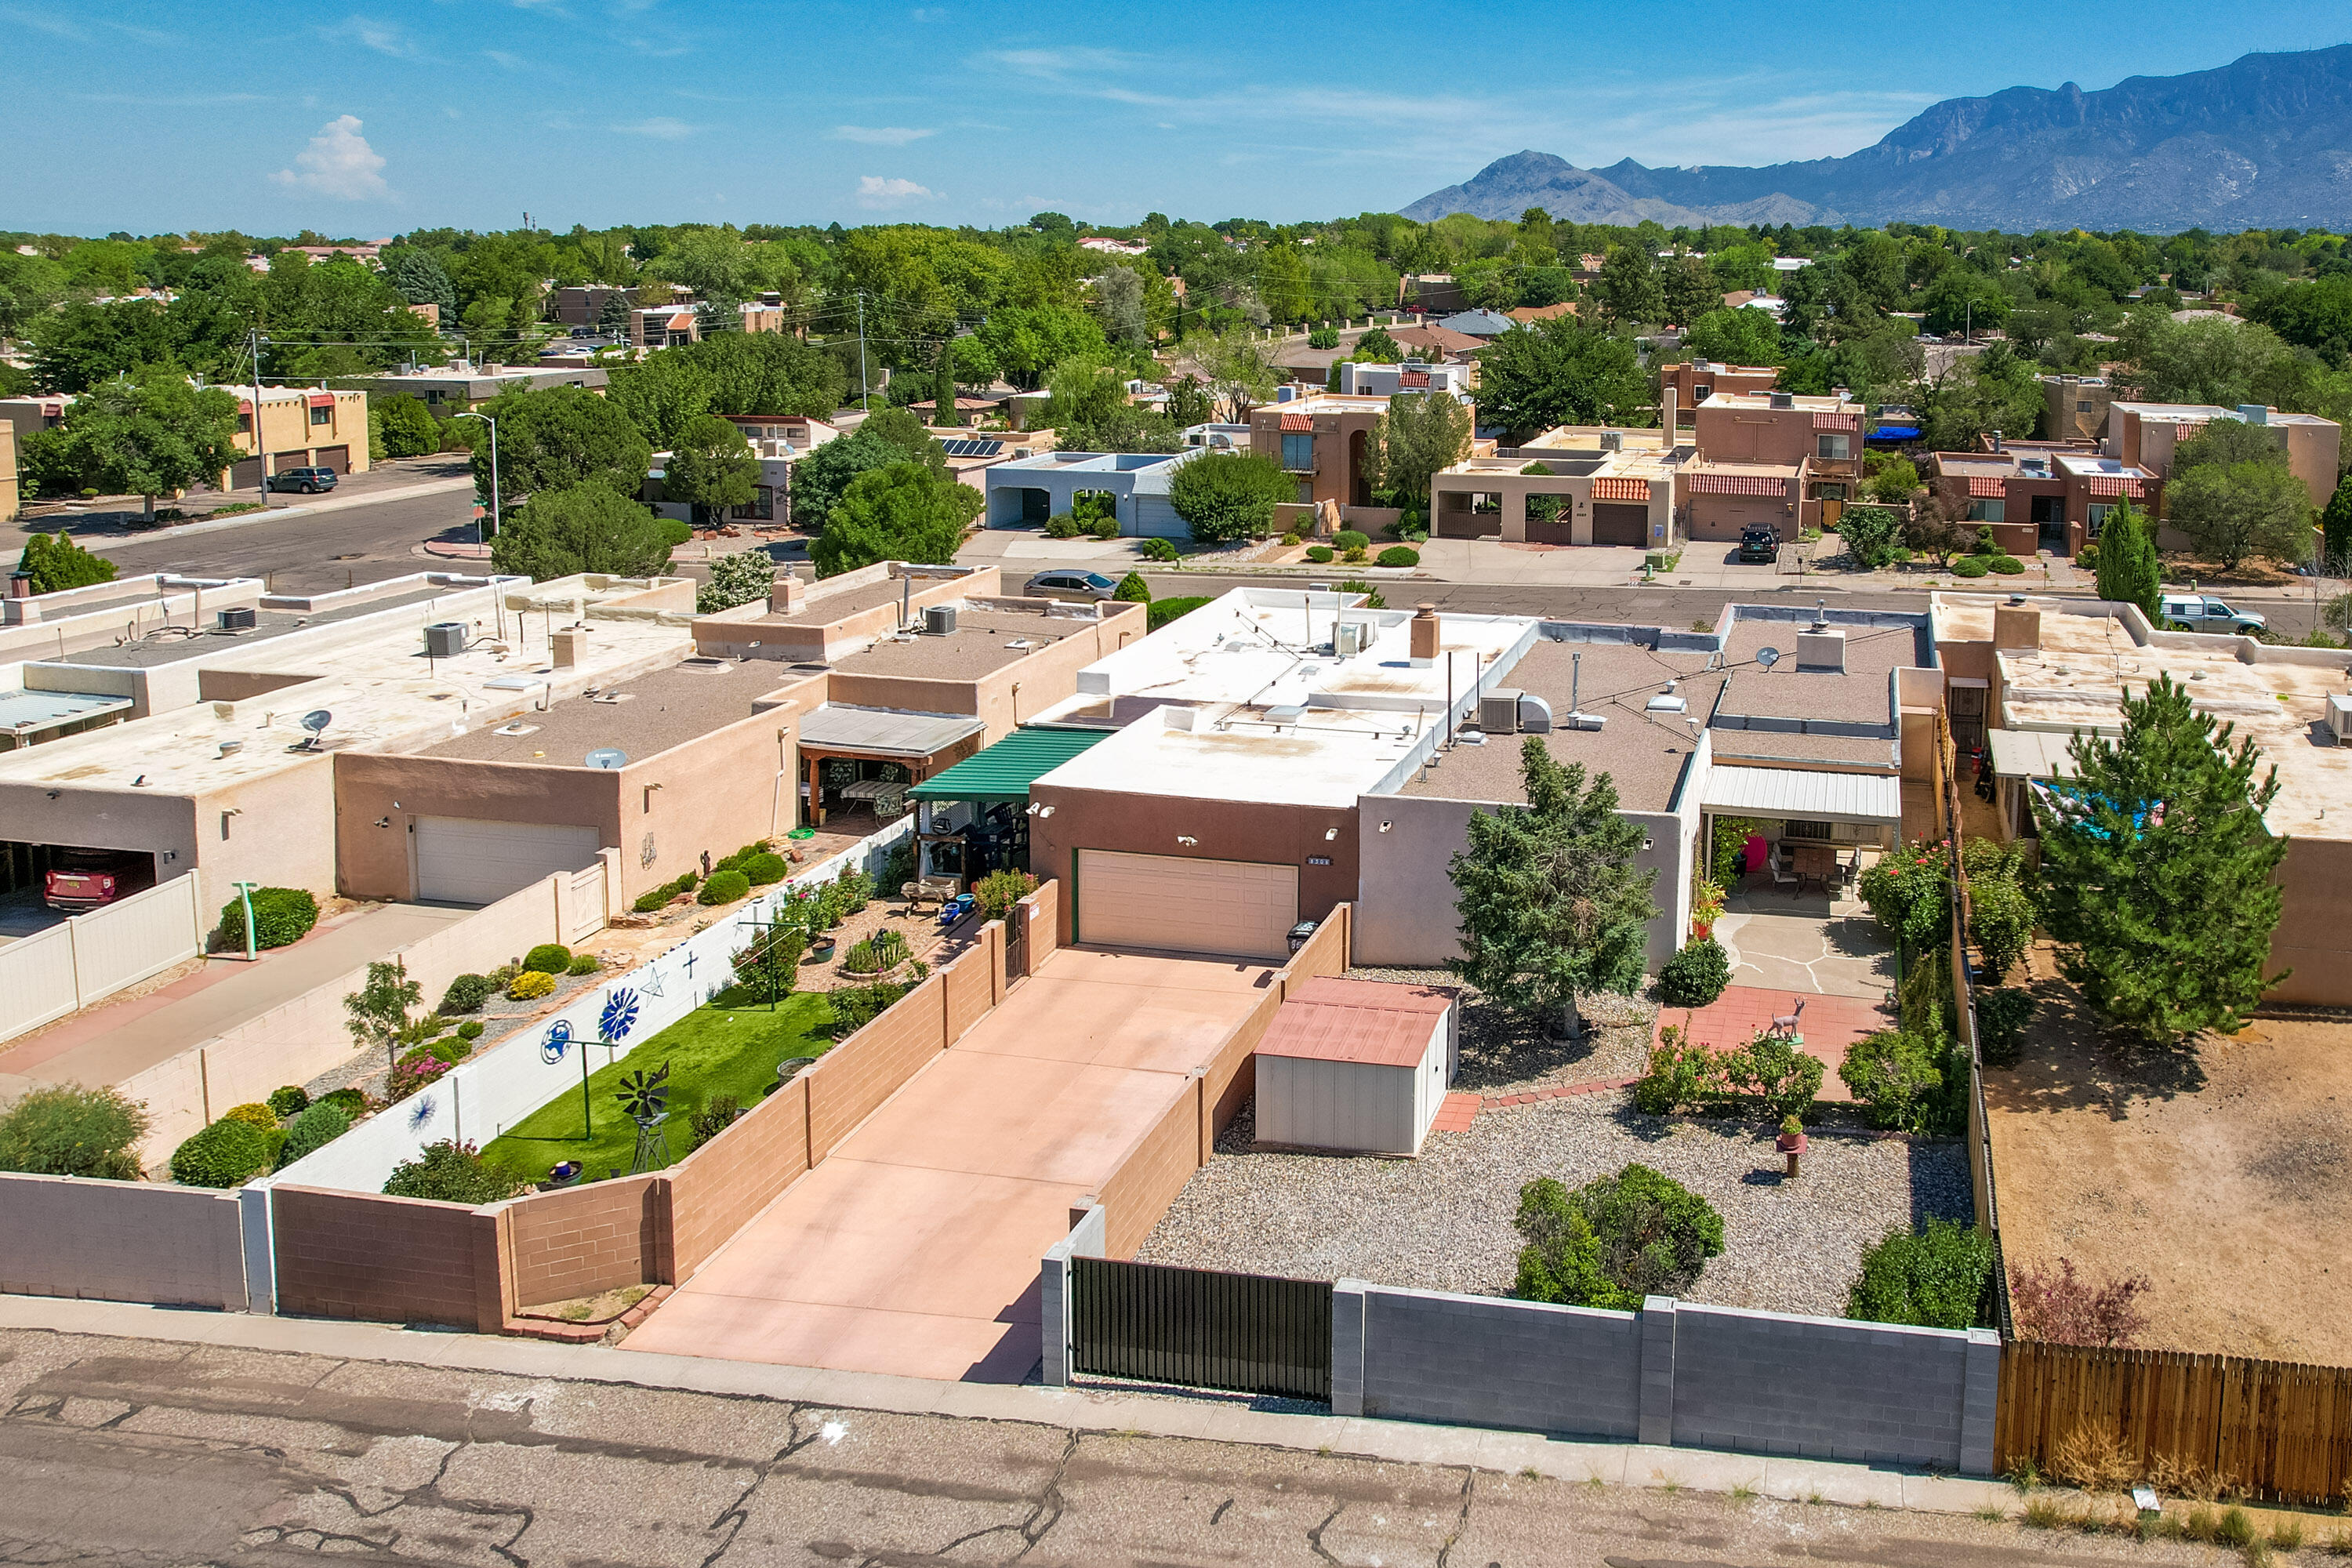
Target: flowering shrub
<point>531,986</point>
<point>1906,891</point>
<point>420,1069</point>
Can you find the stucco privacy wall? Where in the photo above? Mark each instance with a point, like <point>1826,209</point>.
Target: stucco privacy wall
<point>297,1041</point>
<point>121,1241</point>
<point>491,1092</point>
<point>1699,1376</point>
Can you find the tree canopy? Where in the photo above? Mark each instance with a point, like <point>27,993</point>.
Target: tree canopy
<point>1562,372</point>
<point>711,468</point>
<point>1550,901</point>
<point>1422,433</point>
<point>582,527</point>
<point>153,435</point>
<point>2128,571</point>
<point>2232,493</point>
<point>903,512</point>
<point>557,437</point>
<point>1225,496</point>
<point>2158,870</point>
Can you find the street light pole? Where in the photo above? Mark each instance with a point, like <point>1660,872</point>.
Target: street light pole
<point>495,513</point>
<point>245,894</point>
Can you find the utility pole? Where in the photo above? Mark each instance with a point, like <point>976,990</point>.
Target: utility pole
<point>260,454</point>
<point>865,391</point>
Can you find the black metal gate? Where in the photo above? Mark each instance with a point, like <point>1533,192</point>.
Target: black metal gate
<point>1202,1328</point>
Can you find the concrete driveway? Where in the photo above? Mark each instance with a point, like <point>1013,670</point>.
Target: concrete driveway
<point>913,1248</point>
<point>108,1043</point>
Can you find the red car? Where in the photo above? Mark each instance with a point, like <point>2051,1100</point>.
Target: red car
<point>80,880</point>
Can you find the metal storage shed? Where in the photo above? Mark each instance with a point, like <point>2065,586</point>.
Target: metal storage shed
<point>1356,1066</point>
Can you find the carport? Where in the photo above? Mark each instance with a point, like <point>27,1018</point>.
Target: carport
<point>844,747</point>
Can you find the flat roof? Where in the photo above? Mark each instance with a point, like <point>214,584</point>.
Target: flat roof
<point>1311,756</point>
<point>178,645</point>
<point>1644,754</point>
<point>2200,413</point>
<point>821,608</point>
<point>1763,400</point>
<point>1863,693</point>
<point>982,642</point>
<point>644,716</point>
<point>884,731</point>
<point>2275,697</point>
<point>26,712</point>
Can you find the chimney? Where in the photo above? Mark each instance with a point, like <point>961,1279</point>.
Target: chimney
<point>2016,625</point>
<point>1425,636</point>
<point>1996,441</point>
<point>1822,651</point>
<point>786,596</point>
<point>1673,411</point>
<point>570,643</point>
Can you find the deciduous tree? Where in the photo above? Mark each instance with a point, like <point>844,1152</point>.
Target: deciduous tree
<point>155,434</point>
<point>559,437</point>
<point>1561,372</point>
<point>905,511</point>
<point>586,527</point>
<point>1229,495</point>
<point>2233,495</point>
<point>711,468</point>
<point>1422,433</point>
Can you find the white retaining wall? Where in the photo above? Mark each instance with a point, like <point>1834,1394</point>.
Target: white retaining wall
<point>486,1094</point>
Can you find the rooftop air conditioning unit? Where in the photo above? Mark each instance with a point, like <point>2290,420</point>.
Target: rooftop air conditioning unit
<point>1350,639</point>
<point>1535,715</point>
<point>445,640</point>
<point>940,620</point>
<point>1783,399</point>
<point>237,618</point>
<point>2339,720</point>
<point>1613,441</point>
<point>1499,713</point>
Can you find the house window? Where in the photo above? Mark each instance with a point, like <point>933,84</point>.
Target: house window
<point>1819,832</point>
<point>762,506</point>
<point>1701,393</point>
<point>1298,454</point>
<point>245,423</point>
<point>1833,447</point>
<point>2082,408</point>
<point>322,415</point>
<point>1985,510</point>
<point>2095,518</point>
<point>432,396</point>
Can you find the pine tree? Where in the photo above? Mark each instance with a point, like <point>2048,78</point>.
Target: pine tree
<point>2335,525</point>
<point>944,412</point>
<point>1551,902</point>
<point>2157,871</point>
<point>58,563</point>
<point>2128,572</point>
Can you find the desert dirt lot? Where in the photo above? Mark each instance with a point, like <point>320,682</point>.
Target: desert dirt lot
<point>2222,1172</point>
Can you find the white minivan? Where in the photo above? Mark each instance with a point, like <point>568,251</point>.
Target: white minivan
<point>2204,613</point>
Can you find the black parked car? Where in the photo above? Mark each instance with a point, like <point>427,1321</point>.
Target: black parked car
<point>1759,543</point>
<point>309,481</point>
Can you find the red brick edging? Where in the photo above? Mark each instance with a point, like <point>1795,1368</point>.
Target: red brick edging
<point>587,1333</point>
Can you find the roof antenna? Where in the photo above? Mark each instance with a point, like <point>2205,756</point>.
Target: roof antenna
<point>1820,615</point>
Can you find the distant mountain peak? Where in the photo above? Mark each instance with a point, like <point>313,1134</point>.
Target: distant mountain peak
<point>2265,140</point>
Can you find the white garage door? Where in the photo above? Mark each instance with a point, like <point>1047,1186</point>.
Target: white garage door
<point>459,861</point>
<point>1181,905</point>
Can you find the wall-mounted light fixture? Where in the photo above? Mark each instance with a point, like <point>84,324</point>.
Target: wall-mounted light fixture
<point>1329,834</point>
<point>1386,825</point>
<point>1189,842</point>
<point>383,822</point>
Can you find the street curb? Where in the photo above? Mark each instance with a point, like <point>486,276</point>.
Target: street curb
<point>1088,1408</point>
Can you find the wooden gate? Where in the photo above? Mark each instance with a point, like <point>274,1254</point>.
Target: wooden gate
<point>2272,1429</point>
<point>1200,1328</point>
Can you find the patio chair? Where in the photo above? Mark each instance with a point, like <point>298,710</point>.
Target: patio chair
<point>1777,866</point>
<point>1785,1026</point>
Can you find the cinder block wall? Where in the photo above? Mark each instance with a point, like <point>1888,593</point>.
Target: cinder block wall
<point>121,1241</point>
<point>1481,1362</point>
<point>1773,1383</point>
<point>401,1260</point>
<point>1152,1173</point>
<point>578,1241</point>
<point>1040,911</point>
<point>849,1080</point>
<point>715,1191</point>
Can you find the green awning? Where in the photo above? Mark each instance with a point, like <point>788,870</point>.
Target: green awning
<point>1006,769</point>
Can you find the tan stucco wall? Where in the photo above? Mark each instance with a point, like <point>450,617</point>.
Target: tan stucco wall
<point>377,862</point>
<point>1227,831</point>
<point>2314,923</point>
<point>731,633</point>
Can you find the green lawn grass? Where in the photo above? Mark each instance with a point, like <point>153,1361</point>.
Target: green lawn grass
<point>714,1050</point>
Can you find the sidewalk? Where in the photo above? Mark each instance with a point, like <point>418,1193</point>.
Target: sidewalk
<point>1224,1418</point>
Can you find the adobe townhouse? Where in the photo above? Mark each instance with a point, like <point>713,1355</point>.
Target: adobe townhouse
<point>1691,382</point>
<point>301,428</point>
<point>1812,446</point>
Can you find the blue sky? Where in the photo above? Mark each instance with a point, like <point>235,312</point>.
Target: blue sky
<point>363,118</point>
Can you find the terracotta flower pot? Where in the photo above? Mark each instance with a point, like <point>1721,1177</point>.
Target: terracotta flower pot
<point>1790,1143</point>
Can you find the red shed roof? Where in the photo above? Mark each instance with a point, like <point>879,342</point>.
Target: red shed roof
<point>1364,1021</point>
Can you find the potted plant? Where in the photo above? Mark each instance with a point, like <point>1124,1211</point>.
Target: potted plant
<point>821,948</point>
<point>1707,908</point>
<point>1791,1141</point>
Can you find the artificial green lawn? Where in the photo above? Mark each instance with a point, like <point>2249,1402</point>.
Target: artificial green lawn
<point>711,1052</point>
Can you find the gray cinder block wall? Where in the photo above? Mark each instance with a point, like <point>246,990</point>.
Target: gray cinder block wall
<point>121,1241</point>
<point>1717,1377</point>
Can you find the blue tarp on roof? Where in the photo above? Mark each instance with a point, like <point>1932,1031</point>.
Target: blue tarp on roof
<point>1896,433</point>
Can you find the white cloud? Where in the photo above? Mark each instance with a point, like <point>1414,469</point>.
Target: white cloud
<point>56,26</point>
<point>661,127</point>
<point>879,135</point>
<point>1053,65</point>
<point>338,162</point>
<point>874,191</point>
<point>384,37</point>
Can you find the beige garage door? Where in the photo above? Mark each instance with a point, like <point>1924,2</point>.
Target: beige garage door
<point>461,861</point>
<point>1181,905</point>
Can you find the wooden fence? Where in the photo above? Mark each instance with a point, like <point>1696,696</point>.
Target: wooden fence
<point>2274,1430</point>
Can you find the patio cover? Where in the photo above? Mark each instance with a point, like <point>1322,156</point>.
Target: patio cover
<point>1872,798</point>
<point>882,733</point>
<point>1006,769</point>
<point>29,712</point>
<point>2030,754</point>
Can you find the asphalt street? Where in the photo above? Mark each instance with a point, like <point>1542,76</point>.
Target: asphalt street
<point>136,1452</point>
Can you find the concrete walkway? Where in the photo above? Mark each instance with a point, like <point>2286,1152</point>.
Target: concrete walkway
<point>109,1043</point>
<point>913,1247</point>
<point>1084,1410</point>
<point>1785,942</point>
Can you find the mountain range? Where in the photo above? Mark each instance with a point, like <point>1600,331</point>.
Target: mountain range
<point>2262,142</point>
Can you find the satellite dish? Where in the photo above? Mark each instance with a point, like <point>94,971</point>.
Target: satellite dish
<point>1768,657</point>
<point>608,757</point>
<point>317,720</point>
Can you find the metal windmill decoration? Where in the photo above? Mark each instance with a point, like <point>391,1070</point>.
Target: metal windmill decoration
<point>645,1096</point>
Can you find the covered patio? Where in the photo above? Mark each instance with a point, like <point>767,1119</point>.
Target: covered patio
<point>860,763</point>
<point>973,818</point>
<point>1792,923</point>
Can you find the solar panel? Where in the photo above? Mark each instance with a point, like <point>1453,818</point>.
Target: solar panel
<point>969,448</point>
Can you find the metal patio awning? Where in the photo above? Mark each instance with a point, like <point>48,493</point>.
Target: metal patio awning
<point>1805,794</point>
<point>1006,770</point>
<point>885,733</point>
<point>2030,754</point>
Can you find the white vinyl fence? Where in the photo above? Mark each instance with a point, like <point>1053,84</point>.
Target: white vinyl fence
<point>486,1094</point>
<point>90,957</point>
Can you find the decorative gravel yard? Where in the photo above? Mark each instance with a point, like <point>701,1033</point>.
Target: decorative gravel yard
<point>712,1051</point>
<point>1442,1222</point>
